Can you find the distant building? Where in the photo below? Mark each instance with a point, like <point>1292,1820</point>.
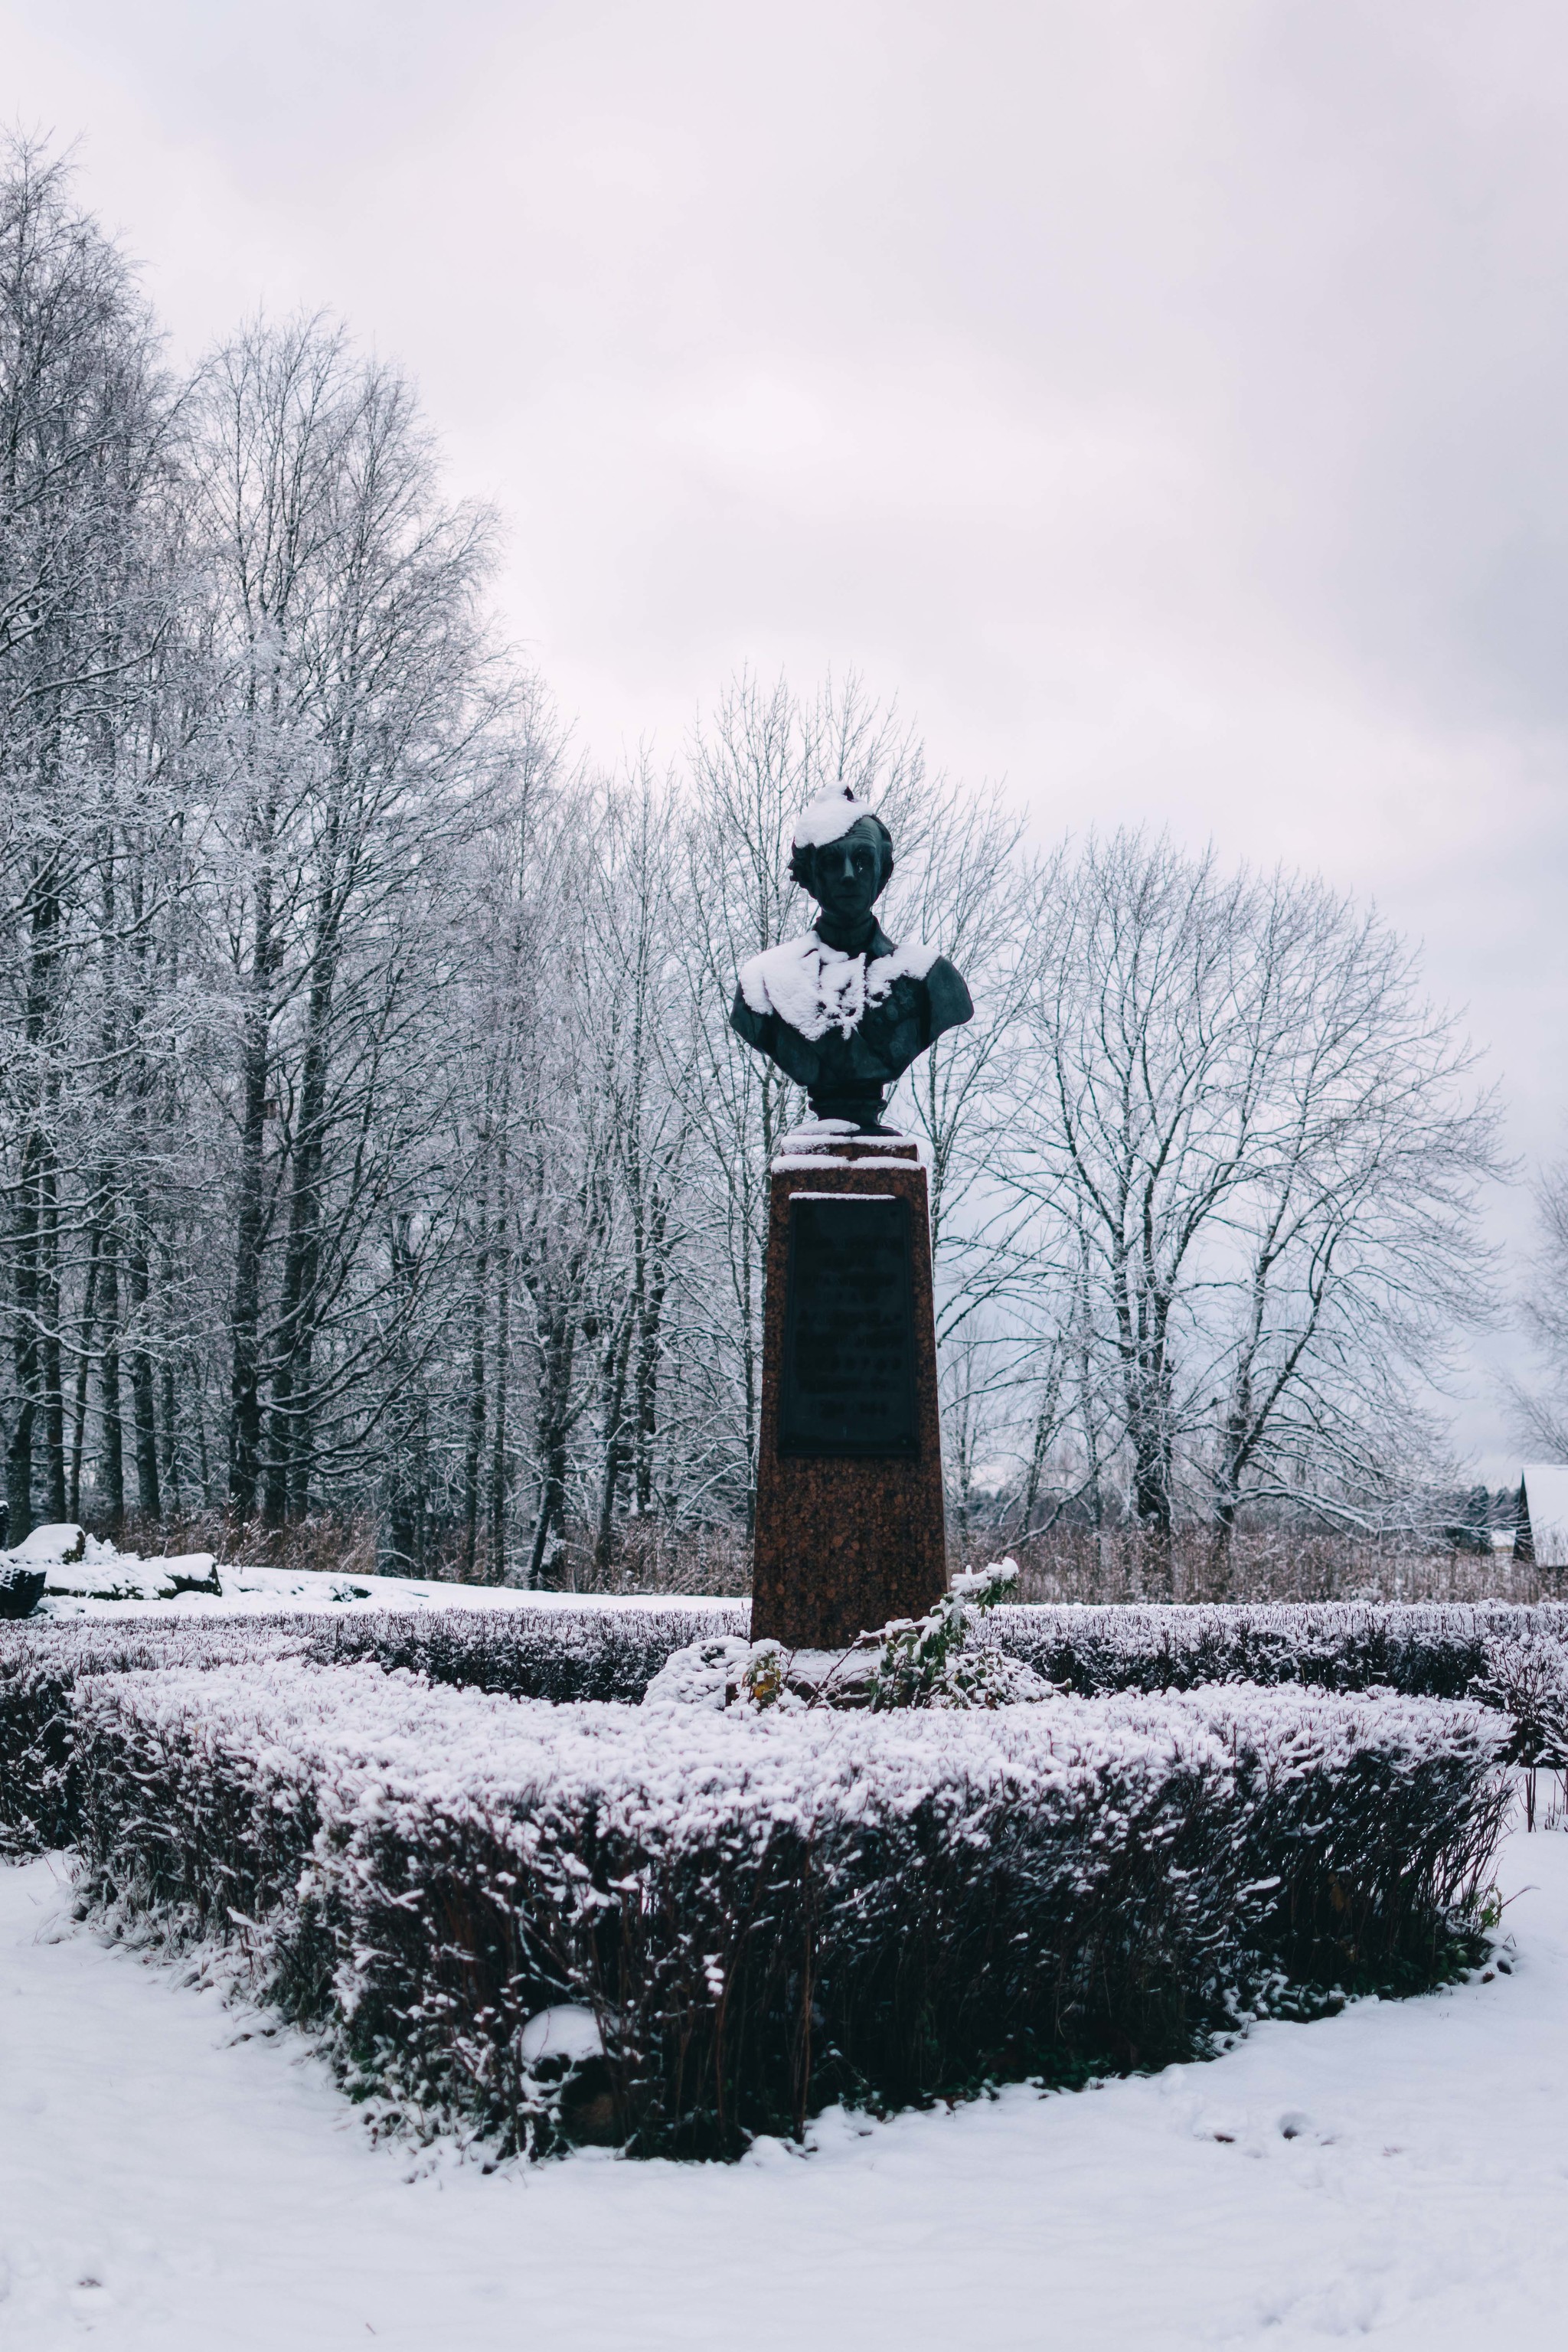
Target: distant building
<point>1541,1534</point>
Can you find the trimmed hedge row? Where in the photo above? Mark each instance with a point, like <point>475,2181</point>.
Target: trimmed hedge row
<point>562,1653</point>
<point>1429,1650</point>
<point>767,1914</point>
<point>613,1650</point>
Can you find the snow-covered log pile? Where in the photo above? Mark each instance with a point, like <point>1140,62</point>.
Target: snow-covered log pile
<point>60,1571</point>
<point>21,1588</point>
<point>63,1560</point>
<point>755,1915</point>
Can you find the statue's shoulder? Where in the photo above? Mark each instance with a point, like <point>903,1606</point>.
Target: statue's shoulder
<point>944,983</point>
<point>910,959</point>
<point>928,976</point>
<point>946,991</point>
<point>782,980</point>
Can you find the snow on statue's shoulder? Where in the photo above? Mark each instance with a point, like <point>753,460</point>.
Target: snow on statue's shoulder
<point>912,961</point>
<point>783,979</point>
<point>814,988</point>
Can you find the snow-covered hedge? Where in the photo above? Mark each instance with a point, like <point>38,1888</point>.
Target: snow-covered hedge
<point>562,1653</point>
<point>41,1663</point>
<point>763,1914</point>
<point>613,1650</point>
<point>1428,1650</point>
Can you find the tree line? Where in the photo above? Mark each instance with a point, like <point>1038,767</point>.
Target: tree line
<point>376,1150</point>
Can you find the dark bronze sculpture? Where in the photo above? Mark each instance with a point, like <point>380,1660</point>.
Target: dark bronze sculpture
<point>842,1010</point>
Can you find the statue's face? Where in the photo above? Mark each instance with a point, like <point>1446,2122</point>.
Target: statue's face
<point>847,873</point>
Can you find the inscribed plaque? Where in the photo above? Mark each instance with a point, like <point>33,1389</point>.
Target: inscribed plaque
<point>848,1385</point>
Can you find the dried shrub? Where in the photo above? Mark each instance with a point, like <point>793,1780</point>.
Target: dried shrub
<point>1255,1565</point>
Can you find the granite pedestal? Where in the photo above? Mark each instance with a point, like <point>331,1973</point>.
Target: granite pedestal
<point>850,1528</point>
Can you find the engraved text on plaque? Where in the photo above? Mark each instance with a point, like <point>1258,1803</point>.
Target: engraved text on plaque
<point>848,1370</point>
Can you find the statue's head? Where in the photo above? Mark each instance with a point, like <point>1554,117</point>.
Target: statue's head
<point>843,855</point>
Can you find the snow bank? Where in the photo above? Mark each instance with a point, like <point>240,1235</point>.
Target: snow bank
<point>1392,2175</point>
<point>765,1914</point>
<point>84,1575</point>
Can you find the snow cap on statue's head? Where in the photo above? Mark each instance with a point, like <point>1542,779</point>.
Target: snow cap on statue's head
<point>829,818</point>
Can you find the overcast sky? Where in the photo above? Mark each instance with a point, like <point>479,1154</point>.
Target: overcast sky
<point>1168,402</point>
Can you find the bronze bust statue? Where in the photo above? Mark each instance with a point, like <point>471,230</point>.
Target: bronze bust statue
<point>842,1010</point>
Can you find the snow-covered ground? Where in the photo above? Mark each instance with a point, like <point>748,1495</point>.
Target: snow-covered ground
<point>87,1576</point>
<point>260,1591</point>
<point>1398,2172</point>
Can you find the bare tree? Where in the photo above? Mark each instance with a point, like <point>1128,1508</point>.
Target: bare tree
<point>635,920</point>
<point>1541,1411</point>
<point>1236,1114</point>
<point>359,718</point>
<point>85,426</point>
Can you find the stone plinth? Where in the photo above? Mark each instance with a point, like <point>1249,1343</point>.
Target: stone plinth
<point>850,1527</point>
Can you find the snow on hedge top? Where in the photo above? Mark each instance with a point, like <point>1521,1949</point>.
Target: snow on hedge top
<point>814,988</point>
<point>829,818</point>
<point>383,1743</point>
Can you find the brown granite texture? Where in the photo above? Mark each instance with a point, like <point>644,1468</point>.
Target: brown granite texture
<point>843,1545</point>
